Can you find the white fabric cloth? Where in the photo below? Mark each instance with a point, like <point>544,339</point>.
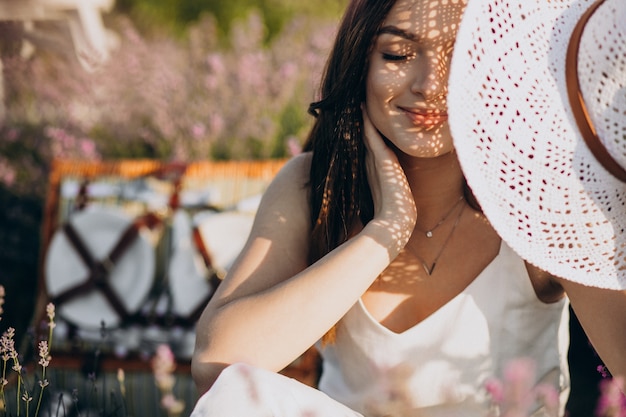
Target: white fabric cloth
<point>439,366</point>
<point>245,391</point>
<point>435,369</point>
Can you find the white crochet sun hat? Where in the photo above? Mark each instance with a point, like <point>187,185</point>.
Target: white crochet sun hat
<point>546,163</point>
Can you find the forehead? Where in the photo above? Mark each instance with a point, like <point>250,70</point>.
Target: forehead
<point>427,19</point>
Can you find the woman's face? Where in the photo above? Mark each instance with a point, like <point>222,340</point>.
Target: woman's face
<point>408,75</point>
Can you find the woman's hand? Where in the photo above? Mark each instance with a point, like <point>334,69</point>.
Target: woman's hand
<point>271,293</point>
<point>271,286</point>
<point>394,207</point>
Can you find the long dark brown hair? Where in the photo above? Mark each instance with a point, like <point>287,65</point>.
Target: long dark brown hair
<point>340,191</point>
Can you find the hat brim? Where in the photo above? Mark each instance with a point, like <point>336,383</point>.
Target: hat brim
<point>518,145</point>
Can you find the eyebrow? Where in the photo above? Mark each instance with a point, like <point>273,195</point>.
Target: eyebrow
<point>394,30</point>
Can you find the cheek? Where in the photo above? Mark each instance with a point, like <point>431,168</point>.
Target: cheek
<point>373,103</point>
<point>386,81</point>
<point>378,113</point>
<point>378,94</point>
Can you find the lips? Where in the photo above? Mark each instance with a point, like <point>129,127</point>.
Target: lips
<point>425,117</point>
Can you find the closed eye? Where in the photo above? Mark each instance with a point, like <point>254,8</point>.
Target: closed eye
<point>393,57</point>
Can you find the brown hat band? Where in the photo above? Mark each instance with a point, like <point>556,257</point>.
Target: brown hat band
<point>579,109</point>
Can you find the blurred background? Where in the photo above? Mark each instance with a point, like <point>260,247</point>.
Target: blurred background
<point>164,80</point>
<point>161,80</point>
<point>173,80</point>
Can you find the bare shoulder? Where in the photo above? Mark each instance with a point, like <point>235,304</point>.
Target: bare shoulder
<point>288,194</point>
<point>585,294</point>
<point>278,244</point>
<point>300,163</point>
<point>602,314</point>
<point>283,217</point>
<point>294,174</point>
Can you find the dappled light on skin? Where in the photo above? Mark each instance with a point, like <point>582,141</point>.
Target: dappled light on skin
<point>410,272</point>
<point>408,74</point>
<point>407,104</point>
<point>390,190</point>
<point>404,295</point>
<point>399,216</point>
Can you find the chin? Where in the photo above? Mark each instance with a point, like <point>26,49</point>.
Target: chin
<point>423,147</point>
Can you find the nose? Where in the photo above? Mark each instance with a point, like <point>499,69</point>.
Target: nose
<point>431,77</point>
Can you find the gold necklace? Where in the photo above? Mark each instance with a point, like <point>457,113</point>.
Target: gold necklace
<point>429,233</point>
<point>431,269</point>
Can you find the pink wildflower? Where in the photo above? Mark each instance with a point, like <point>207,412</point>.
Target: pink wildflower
<point>88,149</point>
<point>2,294</point>
<point>549,397</point>
<point>7,173</point>
<point>515,395</point>
<point>519,377</point>
<point>172,405</point>
<point>603,371</point>
<point>495,389</point>
<point>163,361</point>
<point>163,366</point>
<point>50,312</point>
<point>44,354</point>
<point>198,130</point>
<point>612,402</point>
<point>7,344</point>
<point>293,145</point>
<point>215,62</point>
<point>288,70</point>
<point>16,366</point>
<point>217,123</point>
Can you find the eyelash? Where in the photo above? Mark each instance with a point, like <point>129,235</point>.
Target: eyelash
<point>391,57</point>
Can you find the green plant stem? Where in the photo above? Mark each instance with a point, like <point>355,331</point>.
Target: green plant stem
<point>43,386</point>
<point>19,387</point>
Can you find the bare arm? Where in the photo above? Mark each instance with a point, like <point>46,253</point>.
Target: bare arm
<point>602,314</point>
<point>272,306</point>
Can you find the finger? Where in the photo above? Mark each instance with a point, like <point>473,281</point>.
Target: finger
<point>369,131</point>
<point>369,137</point>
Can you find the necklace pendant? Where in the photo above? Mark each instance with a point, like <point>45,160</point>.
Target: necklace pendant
<point>429,234</point>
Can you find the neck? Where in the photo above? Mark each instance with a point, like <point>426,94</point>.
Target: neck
<point>436,183</point>
<point>438,179</point>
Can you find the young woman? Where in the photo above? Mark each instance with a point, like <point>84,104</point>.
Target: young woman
<point>371,244</point>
